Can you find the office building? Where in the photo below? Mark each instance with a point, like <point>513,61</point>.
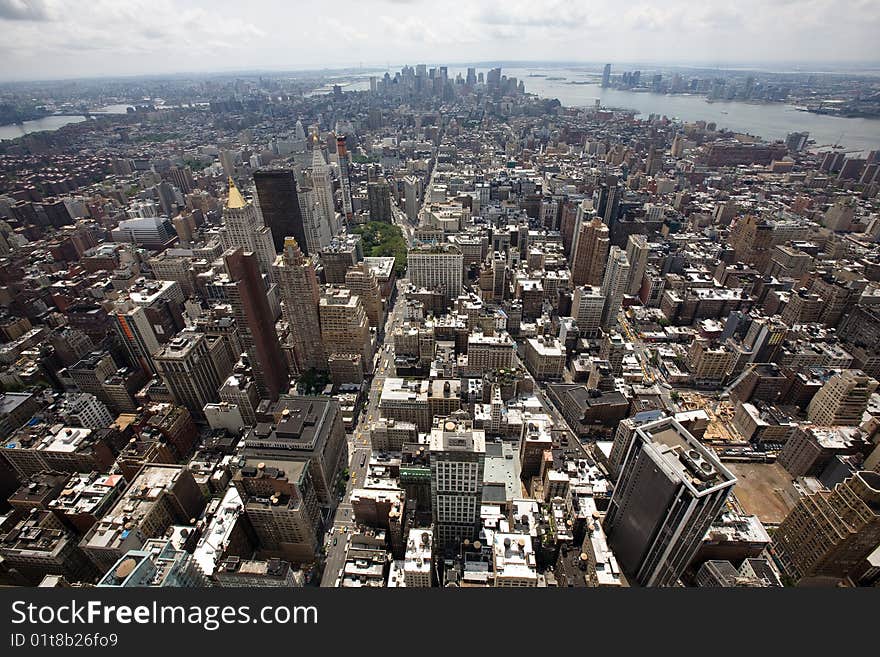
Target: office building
<point>339,256</point>
<point>280,205</point>
<point>587,306</point>
<point>158,564</point>
<point>345,328</point>
<point>637,253</point>
<point>457,456</point>
<point>669,492</point>
<point>437,267</point>
<point>419,558</point>
<point>829,533</point>
<point>189,372</point>
<point>606,76</point>
<point>362,282</point>
<point>614,285</point>
<point>590,251</point>
<point>324,207</point>
<point>487,353</point>
<point>282,507</point>
<point>39,545</point>
<point>545,358</point>
<point>300,299</point>
<point>243,228</point>
<point>412,197</point>
<point>255,323</point>
<point>304,428</point>
<point>842,399</point>
<point>379,201</point>
<point>150,232</point>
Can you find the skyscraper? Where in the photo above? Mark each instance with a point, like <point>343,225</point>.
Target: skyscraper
<point>411,186</point>
<point>829,533</point>
<point>345,328</point>
<point>614,284</point>
<point>379,201</point>
<point>244,229</point>
<point>606,75</point>
<point>637,254</point>
<point>457,456</point>
<point>590,252</point>
<point>344,180</point>
<point>322,187</point>
<point>256,326</point>
<point>280,205</point>
<point>186,367</point>
<point>300,296</point>
<point>669,491</point>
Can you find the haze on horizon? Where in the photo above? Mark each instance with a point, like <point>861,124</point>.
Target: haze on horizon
<point>53,39</point>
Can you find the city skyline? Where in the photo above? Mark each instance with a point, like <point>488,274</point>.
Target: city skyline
<point>136,37</point>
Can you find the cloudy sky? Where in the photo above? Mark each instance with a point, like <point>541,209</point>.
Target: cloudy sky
<point>75,38</point>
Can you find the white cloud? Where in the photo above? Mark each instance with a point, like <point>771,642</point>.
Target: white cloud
<point>63,38</point>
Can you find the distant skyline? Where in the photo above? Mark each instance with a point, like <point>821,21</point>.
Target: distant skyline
<point>48,39</point>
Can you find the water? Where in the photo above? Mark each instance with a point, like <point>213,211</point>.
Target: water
<point>769,121</point>
<point>52,123</point>
<point>46,124</point>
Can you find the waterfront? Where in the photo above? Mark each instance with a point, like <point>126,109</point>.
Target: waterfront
<point>766,120</point>
<point>46,124</point>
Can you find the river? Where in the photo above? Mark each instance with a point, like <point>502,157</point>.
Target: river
<point>52,123</point>
<point>766,120</point>
<point>46,124</point>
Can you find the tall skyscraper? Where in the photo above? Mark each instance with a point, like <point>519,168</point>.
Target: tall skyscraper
<point>322,187</point>
<point>137,335</point>
<point>379,200</point>
<point>457,455</point>
<point>280,205</point>
<point>315,226</point>
<point>244,229</point>
<point>590,253</point>
<point>669,491</point>
<point>411,187</point>
<point>255,323</point>
<point>614,284</point>
<point>830,533</point>
<point>587,305</point>
<point>344,180</point>
<point>606,75</point>
<point>300,296</point>
<point>637,254</point>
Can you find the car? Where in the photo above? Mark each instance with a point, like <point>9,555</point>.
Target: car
<point>335,540</point>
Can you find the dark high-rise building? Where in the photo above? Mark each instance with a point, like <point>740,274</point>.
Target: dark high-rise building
<point>279,203</point>
<point>669,491</point>
<point>379,200</point>
<point>256,326</point>
<point>606,75</point>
